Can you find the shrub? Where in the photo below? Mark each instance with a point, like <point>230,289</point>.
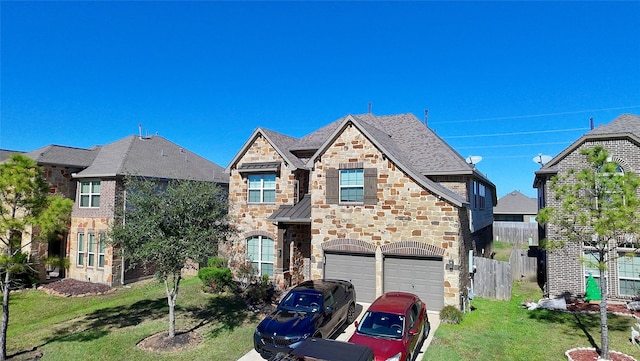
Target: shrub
<point>246,275</point>
<point>217,262</point>
<point>450,314</point>
<point>217,279</point>
<point>260,292</point>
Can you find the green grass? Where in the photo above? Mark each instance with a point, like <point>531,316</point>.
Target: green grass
<point>503,250</point>
<point>502,330</point>
<point>108,327</point>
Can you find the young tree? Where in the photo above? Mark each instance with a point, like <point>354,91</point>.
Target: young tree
<point>597,207</point>
<point>167,224</point>
<point>25,204</point>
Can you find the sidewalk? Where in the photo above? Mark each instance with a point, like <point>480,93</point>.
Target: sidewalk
<point>434,320</point>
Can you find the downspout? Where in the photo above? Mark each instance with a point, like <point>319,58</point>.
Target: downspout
<point>124,208</point>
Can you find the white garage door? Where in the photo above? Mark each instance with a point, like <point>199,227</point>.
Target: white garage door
<point>360,270</point>
<point>423,277</point>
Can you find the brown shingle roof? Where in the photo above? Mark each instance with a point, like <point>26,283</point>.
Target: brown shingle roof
<point>153,157</point>
<point>516,203</point>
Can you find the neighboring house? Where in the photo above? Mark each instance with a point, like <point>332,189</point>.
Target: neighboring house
<point>381,201</point>
<point>93,178</point>
<point>565,273</point>
<point>515,207</point>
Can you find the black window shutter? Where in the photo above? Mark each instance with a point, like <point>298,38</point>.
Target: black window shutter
<point>332,186</point>
<point>370,186</point>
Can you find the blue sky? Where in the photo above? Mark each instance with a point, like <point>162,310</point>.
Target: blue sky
<point>502,80</point>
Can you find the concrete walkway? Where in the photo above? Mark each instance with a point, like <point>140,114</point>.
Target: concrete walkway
<point>434,320</point>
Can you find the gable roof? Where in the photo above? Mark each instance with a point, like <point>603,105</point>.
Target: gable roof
<point>6,154</point>
<point>516,203</point>
<point>65,156</point>
<point>402,137</point>
<point>280,142</point>
<point>153,157</point>
<point>625,126</point>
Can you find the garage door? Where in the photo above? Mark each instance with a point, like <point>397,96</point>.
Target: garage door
<point>424,277</point>
<point>360,270</point>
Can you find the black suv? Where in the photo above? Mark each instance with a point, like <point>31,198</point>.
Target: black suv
<point>316,308</point>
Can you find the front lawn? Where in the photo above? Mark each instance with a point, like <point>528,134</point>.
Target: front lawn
<point>502,330</point>
<point>108,327</point>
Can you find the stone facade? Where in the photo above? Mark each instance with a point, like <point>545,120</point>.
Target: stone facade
<point>95,221</point>
<point>404,211</point>
<point>252,217</point>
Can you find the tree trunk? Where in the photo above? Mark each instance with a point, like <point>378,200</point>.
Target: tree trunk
<point>604,326</point>
<point>5,316</point>
<point>172,296</point>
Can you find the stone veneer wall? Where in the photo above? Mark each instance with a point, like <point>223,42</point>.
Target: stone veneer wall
<point>404,210</point>
<point>96,221</point>
<point>253,217</point>
<point>565,272</point>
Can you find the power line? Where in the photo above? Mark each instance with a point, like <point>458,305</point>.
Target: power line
<point>534,115</point>
<point>512,145</point>
<point>515,133</point>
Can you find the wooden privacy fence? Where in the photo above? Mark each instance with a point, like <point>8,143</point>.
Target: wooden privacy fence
<point>492,279</point>
<point>523,267</point>
<point>516,232</point>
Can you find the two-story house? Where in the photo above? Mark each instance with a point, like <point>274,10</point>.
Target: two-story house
<point>565,273</point>
<point>94,179</point>
<point>381,201</point>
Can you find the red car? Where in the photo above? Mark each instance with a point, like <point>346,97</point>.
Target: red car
<point>394,326</point>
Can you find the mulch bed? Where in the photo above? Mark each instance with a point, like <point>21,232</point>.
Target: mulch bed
<point>587,354</point>
<point>592,355</point>
<point>576,305</point>
<point>160,342</point>
<point>74,288</point>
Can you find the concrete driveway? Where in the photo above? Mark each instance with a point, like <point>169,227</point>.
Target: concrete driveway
<point>434,319</point>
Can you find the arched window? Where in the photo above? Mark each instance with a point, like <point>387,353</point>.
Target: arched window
<point>260,251</point>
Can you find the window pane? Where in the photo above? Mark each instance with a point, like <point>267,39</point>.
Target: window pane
<point>84,201</point>
<point>84,187</point>
<point>352,195</point>
<point>95,201</point>
<point>80,259</point>
<point>95,187</point>
<point>102,244</point>
<point>255,181</point>
<point>80,241</point>
<point>269,181</point>
<point>254,196</point>
<point>267,250</point>
<point>91,259</point>
<point>267,269</point>
<point>269,196</point>
<point>350,177</point>
<point>101,260</point>
<point>253,250</point>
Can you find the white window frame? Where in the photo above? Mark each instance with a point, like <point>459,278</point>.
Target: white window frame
<point>91,250</point>
<point>262,187</point>
<point>91,195</point>
<point>265,257</point>
<point>347,184</point>
<point>102,246</point>
<point>80,260</point>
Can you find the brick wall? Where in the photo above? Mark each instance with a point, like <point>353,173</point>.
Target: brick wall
<point>565,272</point>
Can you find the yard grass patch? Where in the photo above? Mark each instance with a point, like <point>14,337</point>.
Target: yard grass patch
<point>108,327</point>
<point>503,330</point>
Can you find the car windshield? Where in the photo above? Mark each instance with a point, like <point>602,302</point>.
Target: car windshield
<point>382,324</point>
<point>302,301</point>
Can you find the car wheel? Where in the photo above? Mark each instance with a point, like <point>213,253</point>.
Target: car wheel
<point>351,313</point>
<point>427,329</point>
